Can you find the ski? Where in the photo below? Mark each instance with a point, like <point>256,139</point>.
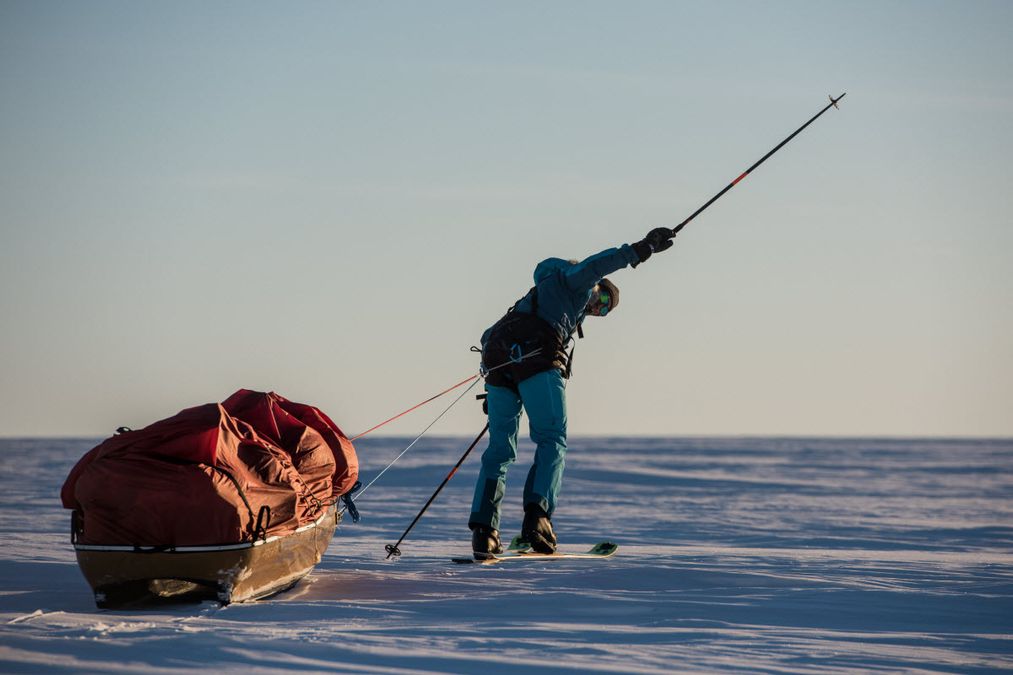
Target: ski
<point>519,550</point>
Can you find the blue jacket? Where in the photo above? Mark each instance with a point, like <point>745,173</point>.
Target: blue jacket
<point>564,288</point>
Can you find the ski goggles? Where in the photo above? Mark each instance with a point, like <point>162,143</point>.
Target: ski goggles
<point>599,304</point>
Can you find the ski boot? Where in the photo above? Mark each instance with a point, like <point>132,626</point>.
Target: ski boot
<point>537,530</point>
<point>485,542</point>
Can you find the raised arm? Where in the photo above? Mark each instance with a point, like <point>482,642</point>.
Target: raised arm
<point>585,274</point>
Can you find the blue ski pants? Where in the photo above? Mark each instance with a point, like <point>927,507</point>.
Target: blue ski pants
<point>543,397</point>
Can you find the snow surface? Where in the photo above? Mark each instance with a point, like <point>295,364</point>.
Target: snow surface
<point>757,555</point>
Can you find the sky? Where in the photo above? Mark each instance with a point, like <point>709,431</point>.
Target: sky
<point>333,200</point>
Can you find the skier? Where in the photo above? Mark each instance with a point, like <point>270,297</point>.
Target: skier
<point>525,363</point>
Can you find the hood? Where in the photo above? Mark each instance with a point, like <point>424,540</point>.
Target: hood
<point>547,267</point>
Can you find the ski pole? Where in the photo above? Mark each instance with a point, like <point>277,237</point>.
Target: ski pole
<point>833,102</point>
<point>392,549</point>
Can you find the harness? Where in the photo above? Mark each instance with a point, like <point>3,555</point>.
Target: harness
<point>522,344</point>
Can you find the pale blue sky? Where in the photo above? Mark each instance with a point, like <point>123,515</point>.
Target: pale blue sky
<point>333,200</point>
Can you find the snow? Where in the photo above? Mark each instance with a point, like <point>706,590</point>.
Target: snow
<point>736,554</point>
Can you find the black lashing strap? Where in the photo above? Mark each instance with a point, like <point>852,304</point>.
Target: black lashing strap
<point>350,506</point>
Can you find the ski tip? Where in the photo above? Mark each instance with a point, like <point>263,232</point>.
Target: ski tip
<point>604,548</point>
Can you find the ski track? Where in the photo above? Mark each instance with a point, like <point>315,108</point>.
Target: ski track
<point>736,555</point>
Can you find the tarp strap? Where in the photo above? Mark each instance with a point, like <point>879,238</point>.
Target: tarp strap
<point>76,526</point>
<point>251,527</point>
<point>350,506</point>
<point>263,522</point>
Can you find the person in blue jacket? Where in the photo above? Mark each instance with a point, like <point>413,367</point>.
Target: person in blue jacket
<point>525,363</point>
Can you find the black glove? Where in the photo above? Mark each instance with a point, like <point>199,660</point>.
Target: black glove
<point>658,239</point>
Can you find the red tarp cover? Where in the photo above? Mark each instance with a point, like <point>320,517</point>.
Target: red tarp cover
<point>201,476</point>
